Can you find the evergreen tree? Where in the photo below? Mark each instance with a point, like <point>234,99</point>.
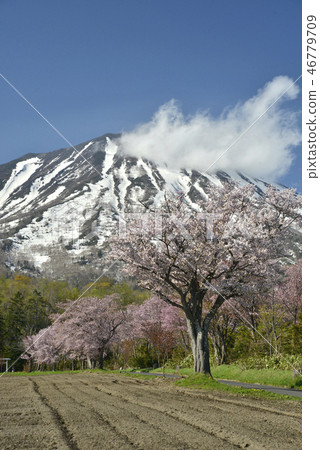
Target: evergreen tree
<point>2,334</point>
<point>16,322</point>
<point>36,313</point>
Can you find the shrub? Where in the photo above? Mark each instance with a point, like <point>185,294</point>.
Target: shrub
<point>284,362</point>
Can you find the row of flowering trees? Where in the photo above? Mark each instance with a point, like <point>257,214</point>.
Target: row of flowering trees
<point>90,328</point>
<point>223,255</point>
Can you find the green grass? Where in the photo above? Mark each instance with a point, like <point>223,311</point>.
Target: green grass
<point>189,380</point>
<point>273,377</point>
<point>181,372</point>
<point>200,381</point>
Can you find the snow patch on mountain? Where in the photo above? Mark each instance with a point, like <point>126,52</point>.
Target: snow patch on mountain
<point>20,174</point>
<point>69,201</point>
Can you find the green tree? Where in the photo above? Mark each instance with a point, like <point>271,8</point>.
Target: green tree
<point>36,313</point>
<point>2,333</point>
<point>15,327</point>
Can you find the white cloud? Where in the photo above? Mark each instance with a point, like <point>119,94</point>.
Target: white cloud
<point>196,142</point>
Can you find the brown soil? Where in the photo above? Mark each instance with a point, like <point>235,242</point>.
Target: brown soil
<point>97,411</point>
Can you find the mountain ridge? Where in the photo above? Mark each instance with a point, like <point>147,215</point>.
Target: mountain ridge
<point>68,201</point>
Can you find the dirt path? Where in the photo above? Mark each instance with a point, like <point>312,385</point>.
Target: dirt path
<point>115,412</point>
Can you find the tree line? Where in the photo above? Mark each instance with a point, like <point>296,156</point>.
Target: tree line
<point>27,305</point>
<point>124,327</point>
<point>220,265</point>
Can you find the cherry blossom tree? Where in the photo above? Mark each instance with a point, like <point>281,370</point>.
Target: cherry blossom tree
<point>85,329</point>
<point>89,326</point>
<point>159,323</point>
<point>224,248</point>
<point>43,347</point>
<point>289,293</point>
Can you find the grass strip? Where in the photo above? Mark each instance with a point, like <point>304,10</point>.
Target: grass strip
<point>195,381</point>
<point>200,381</point>
<point>272,377</point>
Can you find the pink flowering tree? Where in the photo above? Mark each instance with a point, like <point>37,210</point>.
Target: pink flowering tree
<point>222,249</point>
<point>160,324</point>
<point>89,326</point>
<point>42,348</point>
<point>85,329</point>
<point>289,293</point>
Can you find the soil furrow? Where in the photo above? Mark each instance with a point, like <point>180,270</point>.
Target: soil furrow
<point>217,431</point>
<point>91,430</point>
<point>171,414</point>
<point>226,405</point>
<point>99,417</point>
<point>155,428</point>
<point>25,421</point>
<point>68,436</point>
<point>237,430</point>
<point>113,412</point>
<point>244,403</point>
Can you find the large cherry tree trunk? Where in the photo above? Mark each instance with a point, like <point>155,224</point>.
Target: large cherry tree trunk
<point>198,329</point>
<point>200,347</point>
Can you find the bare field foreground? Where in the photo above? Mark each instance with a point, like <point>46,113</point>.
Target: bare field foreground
<point>97,411</point>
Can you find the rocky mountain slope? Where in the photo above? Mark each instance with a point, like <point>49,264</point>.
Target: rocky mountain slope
<point>58,208</point>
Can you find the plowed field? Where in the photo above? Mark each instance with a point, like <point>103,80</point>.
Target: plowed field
<point>97,411</point>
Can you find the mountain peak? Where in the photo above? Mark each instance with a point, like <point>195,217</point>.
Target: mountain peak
<point>66,200</point>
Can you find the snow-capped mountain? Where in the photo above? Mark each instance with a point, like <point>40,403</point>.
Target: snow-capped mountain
<point>61,206</point>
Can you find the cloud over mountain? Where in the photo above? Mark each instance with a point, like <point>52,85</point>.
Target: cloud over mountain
<point>268,132</point>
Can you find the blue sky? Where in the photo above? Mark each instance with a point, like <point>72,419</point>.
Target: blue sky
<point>107,66</point>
